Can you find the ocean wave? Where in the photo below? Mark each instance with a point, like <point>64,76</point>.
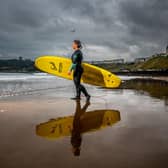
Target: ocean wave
<point>24,76</point>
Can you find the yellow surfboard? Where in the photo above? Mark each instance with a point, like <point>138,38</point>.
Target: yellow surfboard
<point>93,75</point>
<point>89,122</point>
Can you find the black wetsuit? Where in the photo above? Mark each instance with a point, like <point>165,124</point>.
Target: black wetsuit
<point>77,58</point>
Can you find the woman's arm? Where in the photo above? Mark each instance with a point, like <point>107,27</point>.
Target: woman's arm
<point>73,65</point>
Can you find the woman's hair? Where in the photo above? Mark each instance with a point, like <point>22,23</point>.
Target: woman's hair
<point>78,42</point>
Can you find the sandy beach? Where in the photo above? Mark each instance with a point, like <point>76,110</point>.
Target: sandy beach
<point>139,139</point>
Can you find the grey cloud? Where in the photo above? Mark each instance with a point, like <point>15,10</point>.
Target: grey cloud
<point>146,19</point>
<point>36,27</point>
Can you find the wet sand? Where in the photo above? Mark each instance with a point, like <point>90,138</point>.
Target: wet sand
<point>138,140</point>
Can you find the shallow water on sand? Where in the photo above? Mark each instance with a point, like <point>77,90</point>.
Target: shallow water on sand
<point>41,127</point>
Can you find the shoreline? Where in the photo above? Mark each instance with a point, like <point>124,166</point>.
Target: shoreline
<point>147,77</point>
<point>158,76</point>
<point>142,73</point>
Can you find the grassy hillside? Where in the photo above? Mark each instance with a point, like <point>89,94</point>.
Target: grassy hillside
<point>155,63</point>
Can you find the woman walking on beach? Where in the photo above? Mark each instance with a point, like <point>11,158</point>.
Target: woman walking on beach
<point>77,69</point>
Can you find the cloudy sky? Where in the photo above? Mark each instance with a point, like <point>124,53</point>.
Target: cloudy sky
<point>109,29</point>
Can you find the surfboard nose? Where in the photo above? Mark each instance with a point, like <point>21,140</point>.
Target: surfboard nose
<point>36,62</point>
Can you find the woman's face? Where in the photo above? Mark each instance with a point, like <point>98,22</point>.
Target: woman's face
<point>74,46</point>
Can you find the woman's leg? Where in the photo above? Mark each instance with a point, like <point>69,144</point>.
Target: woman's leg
<point>83,90</point>
<point>76,79</point>
<point>79,87</point>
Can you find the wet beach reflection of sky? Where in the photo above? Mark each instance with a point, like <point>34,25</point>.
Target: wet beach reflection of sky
<point>138,138</point>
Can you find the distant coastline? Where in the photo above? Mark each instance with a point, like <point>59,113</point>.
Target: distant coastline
<point>156,65</point>
<point>144,73</point>
<point>19,65</point>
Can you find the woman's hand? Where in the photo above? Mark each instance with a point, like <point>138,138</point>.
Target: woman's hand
<point>69,72</point>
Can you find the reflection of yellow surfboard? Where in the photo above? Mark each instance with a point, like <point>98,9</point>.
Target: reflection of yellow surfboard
<point>93,75</point>
<point>90,121</point>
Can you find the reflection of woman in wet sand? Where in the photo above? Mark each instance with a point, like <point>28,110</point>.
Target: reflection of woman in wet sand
<point>76,138</point>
